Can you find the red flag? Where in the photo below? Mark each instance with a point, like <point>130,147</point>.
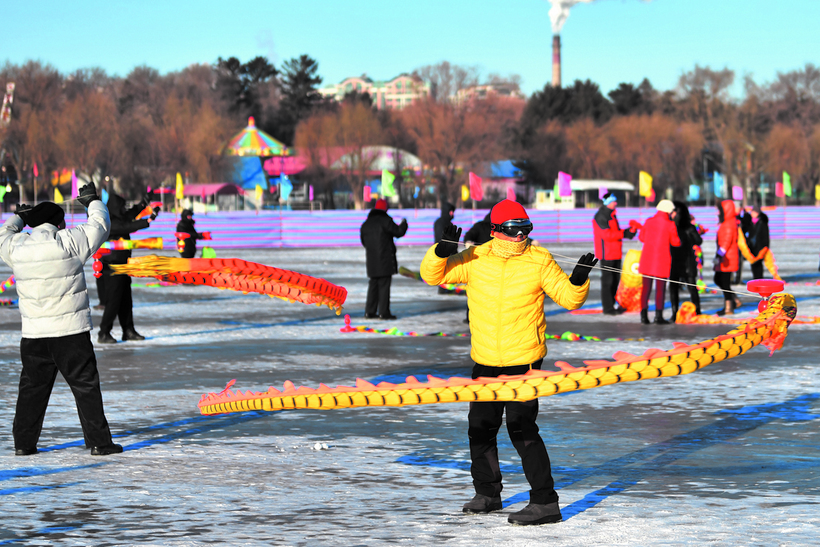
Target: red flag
<point>367,193</point>
<point>476,191</point>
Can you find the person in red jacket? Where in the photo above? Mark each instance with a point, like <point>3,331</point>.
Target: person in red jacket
<point>659,234</point>
<point>608,237</point>
<point>726,258</point>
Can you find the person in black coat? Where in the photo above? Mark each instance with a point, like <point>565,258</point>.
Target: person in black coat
<point>684,263</point>
<point>118,302</point>
<point>377,235</point>
<point>755,226</point>
<point>445,220</point>
<point>479,233</point>
<point>186,226</point>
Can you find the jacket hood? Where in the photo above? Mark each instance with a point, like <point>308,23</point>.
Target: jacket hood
<point>603,216</point>
<point>116,205</point>
<point>446,207</point>
<point>728,208</point>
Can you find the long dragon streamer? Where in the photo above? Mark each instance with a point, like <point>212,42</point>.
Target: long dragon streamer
<point>769,328</point>
<point>237,275</point>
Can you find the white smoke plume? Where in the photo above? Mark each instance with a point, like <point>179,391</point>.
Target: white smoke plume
<point>560,11</point>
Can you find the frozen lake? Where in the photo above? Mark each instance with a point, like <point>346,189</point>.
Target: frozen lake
<point>728,455</point>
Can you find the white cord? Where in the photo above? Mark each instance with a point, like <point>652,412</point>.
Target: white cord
<point>571,260</point>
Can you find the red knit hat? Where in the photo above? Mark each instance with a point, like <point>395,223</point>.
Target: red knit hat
<point>381,204</point>
<point>507,210</point>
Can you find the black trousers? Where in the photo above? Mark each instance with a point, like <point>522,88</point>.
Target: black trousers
<point>724,281</point>
<point>100,281</point>
<point>118,303</point>
<point>73,356</point>
<point>378,296</point>
<point>609,283</point>
<point>674,291</point>
<point>757,269</point>
<point>484,421</point>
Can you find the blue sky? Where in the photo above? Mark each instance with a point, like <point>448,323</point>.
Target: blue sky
<point>608,41</point>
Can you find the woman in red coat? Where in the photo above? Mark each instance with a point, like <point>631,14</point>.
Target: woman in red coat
<point>726,258</point>
<point>659,234</point>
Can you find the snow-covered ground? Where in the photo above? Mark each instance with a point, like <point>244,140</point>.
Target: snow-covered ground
<point>728,455</point>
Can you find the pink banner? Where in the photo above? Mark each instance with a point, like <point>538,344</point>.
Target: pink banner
<point>651,197</point>
<point>737,193</point>
<point>778,190</point>
<point>75,192</point>
<point>476,190</point>
<point>366,193</point>
<point>511,193</point>
<point>564,186</point>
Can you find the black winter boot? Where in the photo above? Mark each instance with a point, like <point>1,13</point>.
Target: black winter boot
<point>482,504</point>
<point>645,317</point>
<point>105,338</point>
<point>131,334</point>
<point>659,320</point>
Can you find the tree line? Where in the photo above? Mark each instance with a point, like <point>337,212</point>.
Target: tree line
<point>143,128</point>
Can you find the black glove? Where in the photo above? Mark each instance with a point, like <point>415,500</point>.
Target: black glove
<point>446,247</point>
<point>144,203</point>
<point>155,213</point>
<point>88,193</point>
<point>22,211</point>
<point>581,272</point>
<point>629,233</point>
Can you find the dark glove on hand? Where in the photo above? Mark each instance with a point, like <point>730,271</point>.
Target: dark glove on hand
<point>581,272</point>
<point>630,233</point>
<point>22,211</point>
<point>446,247</point>
<point>155,213</point>
<point>88,193</point>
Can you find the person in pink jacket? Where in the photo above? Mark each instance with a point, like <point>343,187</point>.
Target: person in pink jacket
<point>659,234</point>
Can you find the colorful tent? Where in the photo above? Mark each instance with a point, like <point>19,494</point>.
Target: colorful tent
<point>253,142</point>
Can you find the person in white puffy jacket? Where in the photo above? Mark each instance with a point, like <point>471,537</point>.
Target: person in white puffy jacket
<point>53,299</point>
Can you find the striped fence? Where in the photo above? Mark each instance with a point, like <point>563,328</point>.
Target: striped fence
<point>232,229</point>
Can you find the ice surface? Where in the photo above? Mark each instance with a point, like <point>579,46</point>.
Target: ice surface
<point>727,455</point>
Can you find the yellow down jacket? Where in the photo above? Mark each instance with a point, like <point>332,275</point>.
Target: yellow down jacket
<point>506,299</point>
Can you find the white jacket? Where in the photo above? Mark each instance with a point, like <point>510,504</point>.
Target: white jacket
<point>48,270</point>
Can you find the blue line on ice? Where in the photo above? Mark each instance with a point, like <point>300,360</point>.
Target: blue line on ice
<point>661,455</point>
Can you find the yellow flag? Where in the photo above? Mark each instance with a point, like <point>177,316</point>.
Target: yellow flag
<point>465,192</point>
<point>180,187</point>
<point>259,193</point>
<point>58,197</point>
<point>817,192</point>
<point>644,184</point>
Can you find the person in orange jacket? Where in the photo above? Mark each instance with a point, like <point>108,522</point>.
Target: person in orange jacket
<point>727,257</point>
<point>507,281</point>
<point>659,235</point>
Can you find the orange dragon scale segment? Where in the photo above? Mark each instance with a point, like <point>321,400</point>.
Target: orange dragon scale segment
<point>769,328</point>
<point>238,275</point>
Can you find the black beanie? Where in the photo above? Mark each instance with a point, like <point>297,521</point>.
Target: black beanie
<point>45,213</point>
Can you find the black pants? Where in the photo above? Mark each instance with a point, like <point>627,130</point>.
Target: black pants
<point>674,292</point>
<point>378,296</point>
<point>757,269</point>
<point>73,356</point>
<point>484,421</point>
<point>118,303</point>
<point>101,289</point>
<point>660,293</point>
<point>724,281</point>
<point>609,283</point>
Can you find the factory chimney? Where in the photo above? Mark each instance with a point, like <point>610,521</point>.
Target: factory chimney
<point>556,60</point>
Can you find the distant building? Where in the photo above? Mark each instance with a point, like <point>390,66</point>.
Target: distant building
<point>393,94</point>
<point>478,92</point>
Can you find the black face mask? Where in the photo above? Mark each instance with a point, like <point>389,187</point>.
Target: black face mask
<point>514,228</point>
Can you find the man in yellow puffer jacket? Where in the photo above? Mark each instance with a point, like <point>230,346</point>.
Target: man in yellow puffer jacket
<point>507,280</point>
